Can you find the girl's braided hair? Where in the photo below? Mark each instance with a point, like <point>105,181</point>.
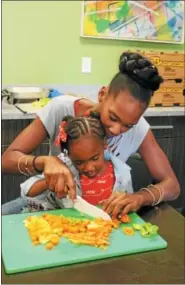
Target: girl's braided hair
<point>75,127</point>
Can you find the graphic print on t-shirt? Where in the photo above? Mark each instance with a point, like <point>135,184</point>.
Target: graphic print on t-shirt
<point>96,190</point>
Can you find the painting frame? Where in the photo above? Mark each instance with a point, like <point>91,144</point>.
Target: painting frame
<point>84,35</point>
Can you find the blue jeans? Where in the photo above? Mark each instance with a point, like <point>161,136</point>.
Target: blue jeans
<point>14,207</point>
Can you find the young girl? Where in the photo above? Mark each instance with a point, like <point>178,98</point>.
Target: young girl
<point>97,172</point>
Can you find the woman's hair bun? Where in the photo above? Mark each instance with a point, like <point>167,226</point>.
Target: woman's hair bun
<point>141,70</point>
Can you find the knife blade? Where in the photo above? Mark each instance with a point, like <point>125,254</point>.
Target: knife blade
<point>86,208</point>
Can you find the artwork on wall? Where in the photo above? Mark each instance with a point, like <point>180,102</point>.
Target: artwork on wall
<point>154,21</point>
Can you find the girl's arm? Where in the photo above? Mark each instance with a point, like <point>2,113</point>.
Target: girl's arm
<point>33,186</point>
<point>37,188</point>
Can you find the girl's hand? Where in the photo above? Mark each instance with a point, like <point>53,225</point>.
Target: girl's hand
<point>58,177</point>
<point>122,202</point>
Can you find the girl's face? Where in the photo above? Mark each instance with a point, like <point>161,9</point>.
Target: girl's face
<point>119,113</point>
<point>87,154</point>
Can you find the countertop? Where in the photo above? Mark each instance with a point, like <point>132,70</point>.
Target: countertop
<point>11,113</point>
<point>156,267</point>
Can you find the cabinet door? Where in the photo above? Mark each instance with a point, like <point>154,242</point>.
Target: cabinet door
<point>178,157</point>
<point>178,165</point>
<point>163,130</point>
<point>170,134</point>
<point>167,146</point>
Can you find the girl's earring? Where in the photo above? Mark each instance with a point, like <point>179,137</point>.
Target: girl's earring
<point>65,152</point>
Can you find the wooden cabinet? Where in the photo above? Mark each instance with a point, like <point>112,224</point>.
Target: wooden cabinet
<point>170,134</point>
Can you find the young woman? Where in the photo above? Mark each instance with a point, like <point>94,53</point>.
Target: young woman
<point>120,107</point>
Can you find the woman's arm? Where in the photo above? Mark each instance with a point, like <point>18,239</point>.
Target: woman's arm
<point>159,167</point>
<point>160,170</point>
<point>28,140</point>
<point>17,156</point>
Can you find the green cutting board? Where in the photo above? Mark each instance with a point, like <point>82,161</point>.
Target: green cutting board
<point>19,255</point>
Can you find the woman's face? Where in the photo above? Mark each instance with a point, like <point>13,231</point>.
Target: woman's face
<point>87,154</point>
<point>119,113</point>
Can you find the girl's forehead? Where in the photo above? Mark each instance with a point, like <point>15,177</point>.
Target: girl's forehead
<point>87,138</point>
<point>85,147</point>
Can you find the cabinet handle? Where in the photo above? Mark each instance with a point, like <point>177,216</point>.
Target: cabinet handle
<point>162,127</point>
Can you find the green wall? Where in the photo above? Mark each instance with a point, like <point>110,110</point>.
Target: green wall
<point>41,44</point>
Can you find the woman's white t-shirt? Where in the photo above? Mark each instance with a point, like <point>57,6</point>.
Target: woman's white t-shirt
<point>122,146</point>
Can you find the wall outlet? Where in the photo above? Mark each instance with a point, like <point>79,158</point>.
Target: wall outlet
<point>86,64</point>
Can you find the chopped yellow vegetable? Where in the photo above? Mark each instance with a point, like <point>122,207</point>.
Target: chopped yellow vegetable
<point>128,231</point>
<point>48,229</point>
<point>49,245</point>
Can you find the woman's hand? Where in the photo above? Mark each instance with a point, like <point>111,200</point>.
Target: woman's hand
<point>58,177</point>
<point>122,203</point>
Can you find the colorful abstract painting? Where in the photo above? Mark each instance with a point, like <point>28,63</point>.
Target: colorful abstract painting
<point>158,21</point>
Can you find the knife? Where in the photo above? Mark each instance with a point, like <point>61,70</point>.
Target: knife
<point>86,208</point>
